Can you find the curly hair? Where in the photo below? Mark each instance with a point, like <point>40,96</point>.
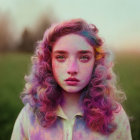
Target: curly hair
<point>99,98</point>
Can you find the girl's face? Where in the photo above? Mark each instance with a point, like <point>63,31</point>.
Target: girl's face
<point>72,57</point>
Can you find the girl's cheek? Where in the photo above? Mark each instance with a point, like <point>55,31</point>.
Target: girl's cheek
<point>58,68</point>
<point>55,64</point>
<point>88,66</point>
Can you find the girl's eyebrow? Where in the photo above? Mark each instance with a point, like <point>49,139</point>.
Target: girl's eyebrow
<point>79,52</point>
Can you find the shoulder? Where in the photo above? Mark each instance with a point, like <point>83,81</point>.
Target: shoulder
<point>120,113</point>
<point>27,116</point>
<point>22,123</point>
<point>25,111</point>
<point>24,117</point>
<point>121,119</point>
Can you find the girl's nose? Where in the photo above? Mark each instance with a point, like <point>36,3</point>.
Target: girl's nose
<point>72,67</point>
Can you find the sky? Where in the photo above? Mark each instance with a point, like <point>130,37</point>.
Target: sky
<point>117,20</point>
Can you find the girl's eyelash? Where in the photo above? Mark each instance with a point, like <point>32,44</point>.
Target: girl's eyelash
<point>85,57</point>
<point>61,57</point>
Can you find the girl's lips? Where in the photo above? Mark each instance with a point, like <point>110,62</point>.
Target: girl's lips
<point>72,79</point>
<point>72,83</point>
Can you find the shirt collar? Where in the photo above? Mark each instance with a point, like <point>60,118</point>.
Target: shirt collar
<point>61,113</point>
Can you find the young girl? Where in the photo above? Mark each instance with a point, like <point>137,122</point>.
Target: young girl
<point>71,92</point>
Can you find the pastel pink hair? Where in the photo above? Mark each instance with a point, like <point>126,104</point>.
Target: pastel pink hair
<point>98,98</point>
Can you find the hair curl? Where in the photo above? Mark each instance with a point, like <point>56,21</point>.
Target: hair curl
<point>98,98</point>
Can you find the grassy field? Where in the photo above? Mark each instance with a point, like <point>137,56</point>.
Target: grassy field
<point>13,67</point>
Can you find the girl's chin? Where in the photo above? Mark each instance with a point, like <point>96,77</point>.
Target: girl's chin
<point>70,90</point>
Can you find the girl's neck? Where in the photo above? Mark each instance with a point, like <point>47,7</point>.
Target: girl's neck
<point>71,104</point>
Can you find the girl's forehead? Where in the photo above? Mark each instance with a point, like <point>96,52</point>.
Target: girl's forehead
<point>72,42</point>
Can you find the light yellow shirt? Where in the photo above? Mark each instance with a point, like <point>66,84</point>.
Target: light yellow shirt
<point>27,127</point>
<point>67,123</point>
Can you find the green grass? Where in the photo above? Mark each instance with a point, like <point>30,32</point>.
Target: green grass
<point>14,66</point>
<point>127,68</point>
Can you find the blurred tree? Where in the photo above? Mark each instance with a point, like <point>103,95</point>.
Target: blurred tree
<point>27,41</point>
<point>31,36</point>
<point>6,32</point>
<point>43,23</point>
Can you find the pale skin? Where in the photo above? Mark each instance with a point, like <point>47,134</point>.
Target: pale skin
<point>72,56</point>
